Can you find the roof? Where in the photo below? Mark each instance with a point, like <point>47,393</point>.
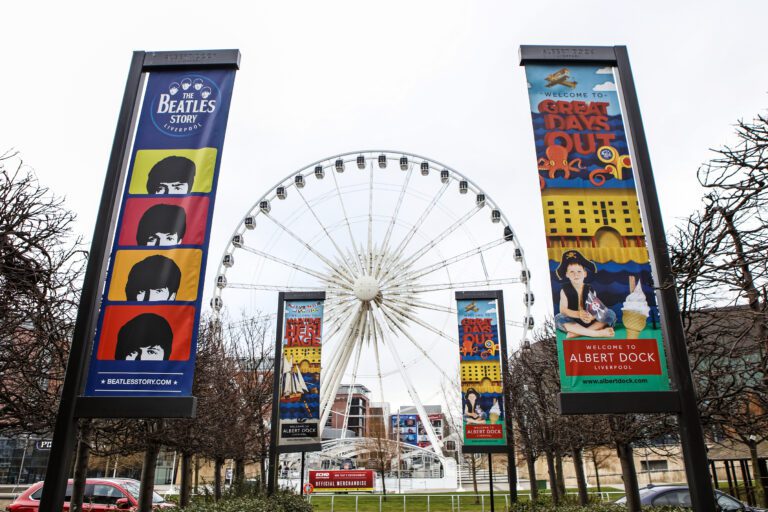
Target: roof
<point>430,409</point>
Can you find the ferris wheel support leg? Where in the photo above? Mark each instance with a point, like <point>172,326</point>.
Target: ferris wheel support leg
<point>341,366</point>
<point>355,366</point>
<point>434,441</point>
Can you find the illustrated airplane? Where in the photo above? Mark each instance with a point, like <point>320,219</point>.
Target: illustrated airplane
<point>560,78</point>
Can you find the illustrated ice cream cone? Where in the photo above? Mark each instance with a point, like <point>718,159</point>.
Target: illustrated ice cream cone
<point>635,310</point>
<point>494,413</point>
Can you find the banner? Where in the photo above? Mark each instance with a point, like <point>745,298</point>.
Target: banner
<point>299,392</point>
<point>482,391</point>
<point>147,328</point>
<point>607,321</point>
<point>342,481</point>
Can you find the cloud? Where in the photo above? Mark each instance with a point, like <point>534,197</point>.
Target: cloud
<point>608,70</point>
<point>529,85</point>
<point>492,302</point>
<point>605,86</point>
<point>492,310</point>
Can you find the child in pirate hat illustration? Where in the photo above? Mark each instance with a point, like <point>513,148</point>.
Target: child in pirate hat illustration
<point>581,311</point>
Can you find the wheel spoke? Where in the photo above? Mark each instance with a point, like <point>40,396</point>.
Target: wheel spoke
<point>323,277</point>
<point>416,288</point>
<point>325,230</point>
<point>434,441</point>
<point>346,218</point>
<point>275,287</point>
<point>415,274</point>
<point>397,306</point>
<point>437,239</point>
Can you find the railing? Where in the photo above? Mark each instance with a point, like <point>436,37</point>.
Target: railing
<point>426,502</point>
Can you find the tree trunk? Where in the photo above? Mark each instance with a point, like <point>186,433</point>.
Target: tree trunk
<point>757,472</point>
<point>81,466</point>
<point>186,479</point>
<point>197,475</point>
<point>239,472</point>
<point>148,477</point>
<point>473,468</point>
<point>581,480</point>
<point>553,486</point>
<point>628,474</point>
<point>217,485</point>
<point>597,473</point>
<point>531,463</point>
<point>383,483</point>
<point>263,470</point>
<point>560,476</point>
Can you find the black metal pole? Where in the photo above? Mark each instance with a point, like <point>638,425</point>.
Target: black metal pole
<point>273,433</point>
<point>511,459</point>
<point>490,478</point>
<point>301,479</point>
<point>65,429</point>
<point>691,433</point>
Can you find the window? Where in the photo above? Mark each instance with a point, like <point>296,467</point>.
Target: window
<point>581,212</point>
<point>580,203</point>
<point>105,494</point>
<point>567,212</point>
<point>583,221</point>
<point>568,230</point>
<point>653,465</point>
<point>626,212</point>
<point>680,498</point>
<point>629,230</point>
<point>627,221</point>
<point>583,230</point>
<point>551,212</point>
<point>552,221</point>
<point>567,221</point>
<point>553,230</point>
<point>450,446</point>
<point>727,503</point>
<point>550,203</point>
<point>623,203</point>
<point>565,203</point>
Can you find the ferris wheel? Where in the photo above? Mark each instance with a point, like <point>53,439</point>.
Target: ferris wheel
<point>389,236</point>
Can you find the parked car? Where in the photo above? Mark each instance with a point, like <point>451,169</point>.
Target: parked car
<point>679,496</point>
<point>101,494</point>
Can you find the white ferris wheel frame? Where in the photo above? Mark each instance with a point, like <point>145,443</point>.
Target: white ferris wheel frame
<point>384,324</point>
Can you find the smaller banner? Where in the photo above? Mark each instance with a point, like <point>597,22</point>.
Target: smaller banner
<point>299,392</point>
<point>342,481</point>
<point>481,374</point>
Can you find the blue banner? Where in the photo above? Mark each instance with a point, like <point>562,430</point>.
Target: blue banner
<point>299,406</point>
<point>148,324</point>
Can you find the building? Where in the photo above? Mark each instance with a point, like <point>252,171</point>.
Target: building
<point>358,409</point>
<point>407,426</point>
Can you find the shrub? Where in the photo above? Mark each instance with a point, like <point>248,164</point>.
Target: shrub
<point>282,501</point>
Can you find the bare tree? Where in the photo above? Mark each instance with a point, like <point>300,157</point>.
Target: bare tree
<point>41,266</point>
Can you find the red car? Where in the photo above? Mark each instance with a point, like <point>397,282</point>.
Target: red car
<point>101,494</point>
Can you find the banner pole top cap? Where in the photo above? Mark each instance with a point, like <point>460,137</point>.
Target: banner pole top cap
<point>537,54</point>
<point>222,59</point>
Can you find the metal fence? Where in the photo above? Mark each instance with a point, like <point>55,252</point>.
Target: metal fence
<point>425,502</point>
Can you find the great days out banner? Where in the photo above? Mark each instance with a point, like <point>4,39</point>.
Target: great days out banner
<point>481,374</point>
<point>608,326</point>
<point>147,328</point>
<point>299,409</point>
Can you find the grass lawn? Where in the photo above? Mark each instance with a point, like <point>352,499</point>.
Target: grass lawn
<point>413,503</point>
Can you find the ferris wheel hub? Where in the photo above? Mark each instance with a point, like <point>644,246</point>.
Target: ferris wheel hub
<point>366,288</point>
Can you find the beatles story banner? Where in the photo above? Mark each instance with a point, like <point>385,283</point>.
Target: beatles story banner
<point>147,328</point>
<point>608,327</point>
<point>481,374</point>
<point>299,409</point>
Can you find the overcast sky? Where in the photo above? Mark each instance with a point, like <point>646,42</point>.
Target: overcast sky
<point>437,78</point>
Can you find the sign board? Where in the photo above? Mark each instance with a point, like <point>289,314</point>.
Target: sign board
<point>150,308</point>
<point>299,390</point>
<point>342,480</point>
<point>308,488</point>
<point>607,320</point>
<point>482,391</point>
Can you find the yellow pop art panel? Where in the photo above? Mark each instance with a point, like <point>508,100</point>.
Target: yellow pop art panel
<point>156,275</point>
<point>173,171</point>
